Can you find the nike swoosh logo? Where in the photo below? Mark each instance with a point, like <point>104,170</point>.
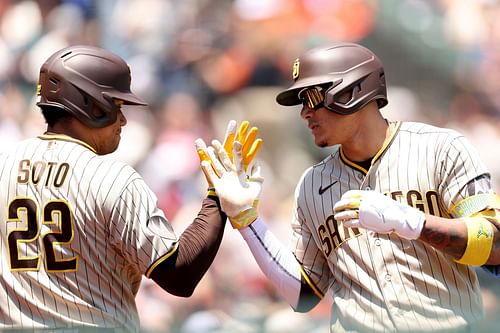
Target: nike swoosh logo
<point>323,189</point>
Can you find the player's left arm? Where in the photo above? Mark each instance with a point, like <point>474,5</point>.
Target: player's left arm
<point>471,238</point>
<point>180,272</point>
<point>141,233</point>
<point>471,235</point>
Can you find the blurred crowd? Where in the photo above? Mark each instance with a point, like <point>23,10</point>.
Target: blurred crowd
<point>199,63</point>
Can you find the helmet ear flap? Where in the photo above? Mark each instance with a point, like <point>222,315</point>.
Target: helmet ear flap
<point>342,101</point>
<point>100,115</point>
<point>97,112</point>
<point>54,84</point>
<point>347,96</point>
<point>358,94</point>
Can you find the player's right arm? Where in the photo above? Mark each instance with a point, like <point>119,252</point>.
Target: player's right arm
<point>281,267</point>
<point>239,197</point>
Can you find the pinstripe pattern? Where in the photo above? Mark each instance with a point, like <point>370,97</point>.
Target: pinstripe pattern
<point>382,282</point>
<point>114,226</point>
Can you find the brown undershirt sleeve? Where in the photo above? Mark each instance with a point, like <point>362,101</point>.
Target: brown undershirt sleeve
<point>198,245</point>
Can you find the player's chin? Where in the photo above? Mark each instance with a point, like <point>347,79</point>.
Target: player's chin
<point>115,146</point>
<point>113,149</point>
<point>110,148</point>
<point>324,141</point>
<point>321,143</point>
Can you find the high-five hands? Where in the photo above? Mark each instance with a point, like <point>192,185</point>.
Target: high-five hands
<point>227,173</point>
<point>247,138</point>
<point>374,211</point>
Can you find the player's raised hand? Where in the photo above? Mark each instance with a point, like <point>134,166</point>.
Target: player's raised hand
<point>246,136</point>
<point>248,139</point>
<point>374,211</point>
<point>238,193</point>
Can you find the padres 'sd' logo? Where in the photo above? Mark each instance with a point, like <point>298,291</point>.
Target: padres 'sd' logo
<point>295,69</point>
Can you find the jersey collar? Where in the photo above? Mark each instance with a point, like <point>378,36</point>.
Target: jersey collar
<point>63,137</point>
<point>393,130</point>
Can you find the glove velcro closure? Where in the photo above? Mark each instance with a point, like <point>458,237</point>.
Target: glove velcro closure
<point>244,218</point>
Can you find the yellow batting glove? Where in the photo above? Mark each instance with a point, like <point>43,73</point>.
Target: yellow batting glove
<point>247,137</point>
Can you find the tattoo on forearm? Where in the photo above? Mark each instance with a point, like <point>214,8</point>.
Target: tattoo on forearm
<point>445,239</point>
<point>435,238</point>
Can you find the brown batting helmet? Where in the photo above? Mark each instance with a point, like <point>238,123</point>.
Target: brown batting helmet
<point>76,77</point>
<point>338,69</point>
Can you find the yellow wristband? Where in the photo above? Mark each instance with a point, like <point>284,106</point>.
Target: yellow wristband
<point>479,241</point>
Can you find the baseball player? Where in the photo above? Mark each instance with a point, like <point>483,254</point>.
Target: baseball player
<point>79,230</point>
<point>392,223</point>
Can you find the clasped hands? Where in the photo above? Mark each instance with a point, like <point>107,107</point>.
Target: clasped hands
<point>225,166</point>
<point>374,211</point>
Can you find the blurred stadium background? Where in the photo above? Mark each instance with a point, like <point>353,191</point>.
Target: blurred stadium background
<point>200,63</point>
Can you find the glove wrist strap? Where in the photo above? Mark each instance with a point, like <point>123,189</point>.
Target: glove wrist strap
<point>244,218</point>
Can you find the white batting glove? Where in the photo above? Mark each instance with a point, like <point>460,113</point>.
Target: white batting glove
<point>374,211</point>
<point>238,194</point>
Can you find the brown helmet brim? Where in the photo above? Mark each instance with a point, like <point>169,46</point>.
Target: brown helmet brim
<point>127,98</point>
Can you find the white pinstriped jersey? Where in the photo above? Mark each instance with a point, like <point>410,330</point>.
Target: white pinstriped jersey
<point>78,231</point>
<point>383,282</point>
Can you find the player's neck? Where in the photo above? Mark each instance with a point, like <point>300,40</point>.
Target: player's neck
<point>369,138</point>
<point>71,128</point>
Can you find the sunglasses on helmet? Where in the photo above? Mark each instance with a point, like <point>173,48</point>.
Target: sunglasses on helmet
<point>312,97</point>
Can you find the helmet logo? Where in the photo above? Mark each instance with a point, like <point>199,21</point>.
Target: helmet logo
<point>38,93</point>
<point>295,69</point>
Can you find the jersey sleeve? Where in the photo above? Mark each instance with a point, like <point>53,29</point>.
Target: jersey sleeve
<point>459,170</point>
<point>139,228</point>
<point>467,185</point>
<point>313,262</point>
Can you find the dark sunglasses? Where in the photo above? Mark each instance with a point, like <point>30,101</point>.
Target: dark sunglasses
<point>312,97</point>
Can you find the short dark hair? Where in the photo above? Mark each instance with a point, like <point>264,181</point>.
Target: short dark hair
<point>53,114</point>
